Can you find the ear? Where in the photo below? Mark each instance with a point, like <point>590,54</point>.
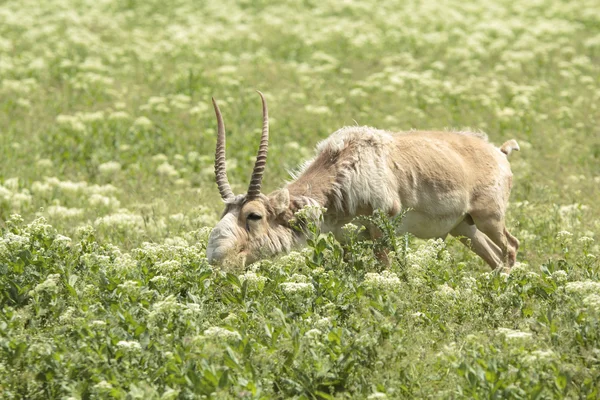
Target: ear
<point>280,200</point>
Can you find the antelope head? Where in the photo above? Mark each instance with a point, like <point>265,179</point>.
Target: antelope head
<point>253,224</point>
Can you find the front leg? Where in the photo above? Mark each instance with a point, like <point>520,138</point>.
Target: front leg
<point>381,254</point>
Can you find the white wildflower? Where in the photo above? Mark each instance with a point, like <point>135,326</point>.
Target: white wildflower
<point>67,316</point>
<point>583,287</point>
<point>50,285</point>
<point>19,200</point>
<point>216,332</point>
<point>177,218</point>
<point>103,386</point>
<point>12,184</point>
<point>41,188</point>
<point>143,123</point>
<point>5,194</point>
<point>61,241</point>
<point>160,158</point>
<point>293,288</point>
<point>537,357</point>
<point>323,323</point>
<point>358,92</point>
<point>445,292</point>
<point>68,187</point>
<point>313,334</point>
<point>385,281</point>
<point>317,110</point>
<point>129,287</point>
<point>71,123</point>
<point>377,395</point>
<point>432,252</point>
<point>559,276</point>
<point>64,212</point>
<point>129,345</point>
<point>231,319</point>
<point>564,236</point>
<point>109,168</point>
<point>176,241</point>
<point>160,280</point>
<point>350,230</point>
<point>120,220</point>
<point>255,282</point>
<point>91,117</point>
<point>593,302</point>
<point>166,169</point>
<point>119,116</point>
<point>513,334</point>
<point>192,310</point>
<point>98,200</point>
<point>170,268</point>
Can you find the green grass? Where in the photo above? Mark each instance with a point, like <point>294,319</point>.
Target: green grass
<point>107,133</point>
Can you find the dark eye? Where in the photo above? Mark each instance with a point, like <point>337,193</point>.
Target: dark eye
<point>254,217</point>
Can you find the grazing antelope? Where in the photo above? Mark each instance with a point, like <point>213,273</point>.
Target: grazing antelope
<point>453,183</point>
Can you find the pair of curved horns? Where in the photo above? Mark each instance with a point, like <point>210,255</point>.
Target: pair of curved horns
<point>261,157</point>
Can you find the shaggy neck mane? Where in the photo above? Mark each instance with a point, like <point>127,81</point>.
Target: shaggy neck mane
<point>350,175</point>
<point>317,180</point>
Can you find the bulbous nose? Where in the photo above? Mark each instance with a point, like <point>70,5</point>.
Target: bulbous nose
<point>216,247</point>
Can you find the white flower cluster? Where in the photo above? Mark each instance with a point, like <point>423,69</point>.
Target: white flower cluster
<point>119,116</point>
<point>58,211</point>
<point>564,237</point>
<point>130,288</point>
<point>592,301</point>
<point>129,345</point>
<point>255,282</point>
<point>13,242</point>
<point>537,357</point>
<point>160,281</point>
<point>583,287</point>
<point>167,170</point>
<point>297,288</point>
<point>216,332</point>
<point>98,200</point>
<point>293,260</point>
<point>445,292</point>
<point>586,241</point>
<point>102,386</point>
<point>122,220</point>
<point>168,306</point>
<point>142,123</point>
<point>109,168</point>
<point>571,214</point>
<point>377,395</point>
<point>97,323</point>
<point>512,334</point>
<point>313,334</point>
<point>429,254</point>
<point>384,281</point>
<point>71,123</point>
<point>171,269</point>
<point>10,194</point>
<point>50,285</point>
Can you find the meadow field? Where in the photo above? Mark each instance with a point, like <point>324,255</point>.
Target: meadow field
<point>107,198</point>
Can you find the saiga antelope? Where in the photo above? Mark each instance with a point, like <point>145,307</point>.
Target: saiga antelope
<point>453,183</point>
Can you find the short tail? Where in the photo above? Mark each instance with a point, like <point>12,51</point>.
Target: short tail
<point>509,146</point>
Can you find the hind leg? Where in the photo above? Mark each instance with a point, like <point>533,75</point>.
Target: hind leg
<point>495,229</point>
<point>479,243</point>
<point>514,243</point>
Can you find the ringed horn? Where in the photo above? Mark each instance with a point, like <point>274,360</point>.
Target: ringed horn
<point>261,157</point>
